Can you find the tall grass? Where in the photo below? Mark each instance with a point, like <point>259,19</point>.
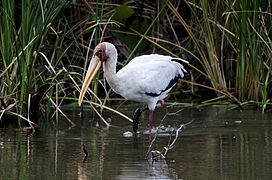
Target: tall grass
<point>234,45</point>
<point>253,68</point>
<point>23,31</point>
<point>251,23</point>
<point>228,44</point>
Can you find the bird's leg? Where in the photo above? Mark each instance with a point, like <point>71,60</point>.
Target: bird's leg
<point>136,117</point>
<point>160,103</point>
<point>150,124</point>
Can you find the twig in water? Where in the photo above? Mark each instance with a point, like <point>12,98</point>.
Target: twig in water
<point>163,153</point>
<point>151,144</point>
<point>174,141</point>
<point>86,152</point>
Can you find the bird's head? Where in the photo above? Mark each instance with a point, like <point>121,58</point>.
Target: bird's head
<point>101,54</point>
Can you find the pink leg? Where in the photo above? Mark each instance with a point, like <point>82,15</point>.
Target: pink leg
<point>160,103</point>
<point>150,124</point>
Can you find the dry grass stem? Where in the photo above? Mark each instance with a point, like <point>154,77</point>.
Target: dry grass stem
<point>100,116</point>
<point>155,153</point>
<point>54,104</point>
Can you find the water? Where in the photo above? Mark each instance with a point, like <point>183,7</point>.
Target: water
<point>218,144</point>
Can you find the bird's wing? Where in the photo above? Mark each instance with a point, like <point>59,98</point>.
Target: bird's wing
<point>159,77</point>
<point>152,57</point>
<point>150,74</point>
<point>157,57</point>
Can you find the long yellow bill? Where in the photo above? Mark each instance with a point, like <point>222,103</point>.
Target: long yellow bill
<point>92,70</point>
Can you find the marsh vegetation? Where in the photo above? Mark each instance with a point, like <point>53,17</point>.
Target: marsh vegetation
<point>45,47</point>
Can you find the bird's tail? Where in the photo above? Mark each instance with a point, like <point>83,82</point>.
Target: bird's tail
<point>179,60</point>
<point>180,63</point>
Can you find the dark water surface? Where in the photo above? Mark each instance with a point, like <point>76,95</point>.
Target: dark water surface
<point>218,144</point>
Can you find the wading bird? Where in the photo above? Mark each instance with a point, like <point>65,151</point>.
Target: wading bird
<point>146,79</point>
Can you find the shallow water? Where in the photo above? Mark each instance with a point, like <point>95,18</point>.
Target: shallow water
<point>218,144</point>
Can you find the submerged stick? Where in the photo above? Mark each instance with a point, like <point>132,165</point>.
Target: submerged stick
<point>182,126</point>
<point>163,153</point>
<point>85,152</point>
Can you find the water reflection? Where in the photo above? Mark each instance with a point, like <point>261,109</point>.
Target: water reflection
<point>219,144</point>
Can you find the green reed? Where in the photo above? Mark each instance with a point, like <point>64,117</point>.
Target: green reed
<point>233,39</point>
<point>23,31</point>
<point>228,44</point>
<point>253,46</point>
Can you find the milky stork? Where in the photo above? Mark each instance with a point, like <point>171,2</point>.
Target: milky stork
<point>146,78</point>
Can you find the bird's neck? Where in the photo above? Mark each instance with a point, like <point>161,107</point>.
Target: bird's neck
<point>110,72</point>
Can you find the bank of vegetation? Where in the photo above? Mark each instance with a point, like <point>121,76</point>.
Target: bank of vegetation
<point>45,47</point>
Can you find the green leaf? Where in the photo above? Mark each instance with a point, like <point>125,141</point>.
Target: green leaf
<point>126,16</point>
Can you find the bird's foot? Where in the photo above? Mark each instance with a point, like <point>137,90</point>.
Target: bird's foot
<point>136,118</point>
<point>160,103</point>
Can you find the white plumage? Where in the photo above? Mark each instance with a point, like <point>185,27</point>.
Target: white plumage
<point>146,78</point>
<point>148,74</point>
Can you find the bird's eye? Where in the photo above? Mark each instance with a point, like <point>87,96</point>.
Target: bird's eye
<point>99,53</point>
